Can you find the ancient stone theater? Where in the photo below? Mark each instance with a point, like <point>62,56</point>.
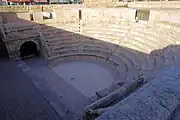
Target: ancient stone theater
<point>99,60</point>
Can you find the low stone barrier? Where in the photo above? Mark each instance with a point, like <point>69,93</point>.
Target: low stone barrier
<point>104,104</point>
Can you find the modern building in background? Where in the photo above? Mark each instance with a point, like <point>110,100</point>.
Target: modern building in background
<point>3,2</point>
<point>38,2</point>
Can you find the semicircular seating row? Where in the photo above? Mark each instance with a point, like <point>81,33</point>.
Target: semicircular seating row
<point>127,48</point>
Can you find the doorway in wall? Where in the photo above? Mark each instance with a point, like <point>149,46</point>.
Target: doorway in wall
<point>28,49</point>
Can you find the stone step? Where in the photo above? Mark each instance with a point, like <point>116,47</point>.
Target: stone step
<point>63,43</point>
<point>171,36</point>
<point>134,45</point>
<point>102,36</point>
<point>59,29</point>
<point>172,30</point>
<point>109,29</point>
<point>58,48</point>
<point>166,35</point>
<point>145,39</point>
<point>16,35</point>
<point>19,26</point>
<point>23,37</point>
<point>147,62</point>
<point>103,30</point>
<point>50,37</point>
<point>120,66</point>
<point>65,50</point>
<point>107,26</point>
<point>132,56</point>
<point>126,60</point>
<point>96,51</point>
<point>141,42</point>
<point>156,35</point>
<point>98,43</point>
<point>98,46</point>
<point>148,37</point>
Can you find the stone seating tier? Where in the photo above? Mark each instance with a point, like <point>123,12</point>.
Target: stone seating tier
<point>135,59</point>
<point>65,42</point>
<point>172,36</point>
<point>148,37</point>
<point>146,63</point>
<point>152,45</point>
<point>156,35</point>
<point>87,55</point>
<point>94,46</point>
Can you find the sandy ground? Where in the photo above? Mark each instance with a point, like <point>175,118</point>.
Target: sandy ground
<point>86,76</point>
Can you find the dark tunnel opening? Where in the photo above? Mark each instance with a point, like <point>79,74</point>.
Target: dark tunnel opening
<point>28,49</point>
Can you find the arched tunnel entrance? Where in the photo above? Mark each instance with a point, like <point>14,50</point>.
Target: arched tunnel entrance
<point>28,49</point>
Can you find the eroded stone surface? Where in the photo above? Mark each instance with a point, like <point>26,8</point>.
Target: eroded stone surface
<point>155,101</point>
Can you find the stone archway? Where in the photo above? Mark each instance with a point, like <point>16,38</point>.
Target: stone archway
<point>28,49</point>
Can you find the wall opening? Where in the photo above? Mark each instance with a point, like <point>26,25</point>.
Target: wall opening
<point>28,49</point>
<point>47,15</point>
<point>142,15</point>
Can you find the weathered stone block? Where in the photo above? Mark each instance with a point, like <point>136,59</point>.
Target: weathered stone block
<point>23,16</point>
<point>38,16</point>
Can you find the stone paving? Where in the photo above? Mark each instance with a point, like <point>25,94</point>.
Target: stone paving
<point>65,99</point>
<point>19,97</point>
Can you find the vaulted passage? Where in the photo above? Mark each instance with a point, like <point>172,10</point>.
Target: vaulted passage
<point>28,49</point>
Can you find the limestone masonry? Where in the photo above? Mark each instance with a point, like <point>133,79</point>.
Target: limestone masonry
<point>137,40</point>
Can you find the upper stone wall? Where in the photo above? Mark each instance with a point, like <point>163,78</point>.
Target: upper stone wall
<point>107,14</point>
<point>36,8</point>
<point>155,4</point>
<point>168,19</point>
<point>104,3</point>
<point>12,14</point>
<point>13,17</point>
